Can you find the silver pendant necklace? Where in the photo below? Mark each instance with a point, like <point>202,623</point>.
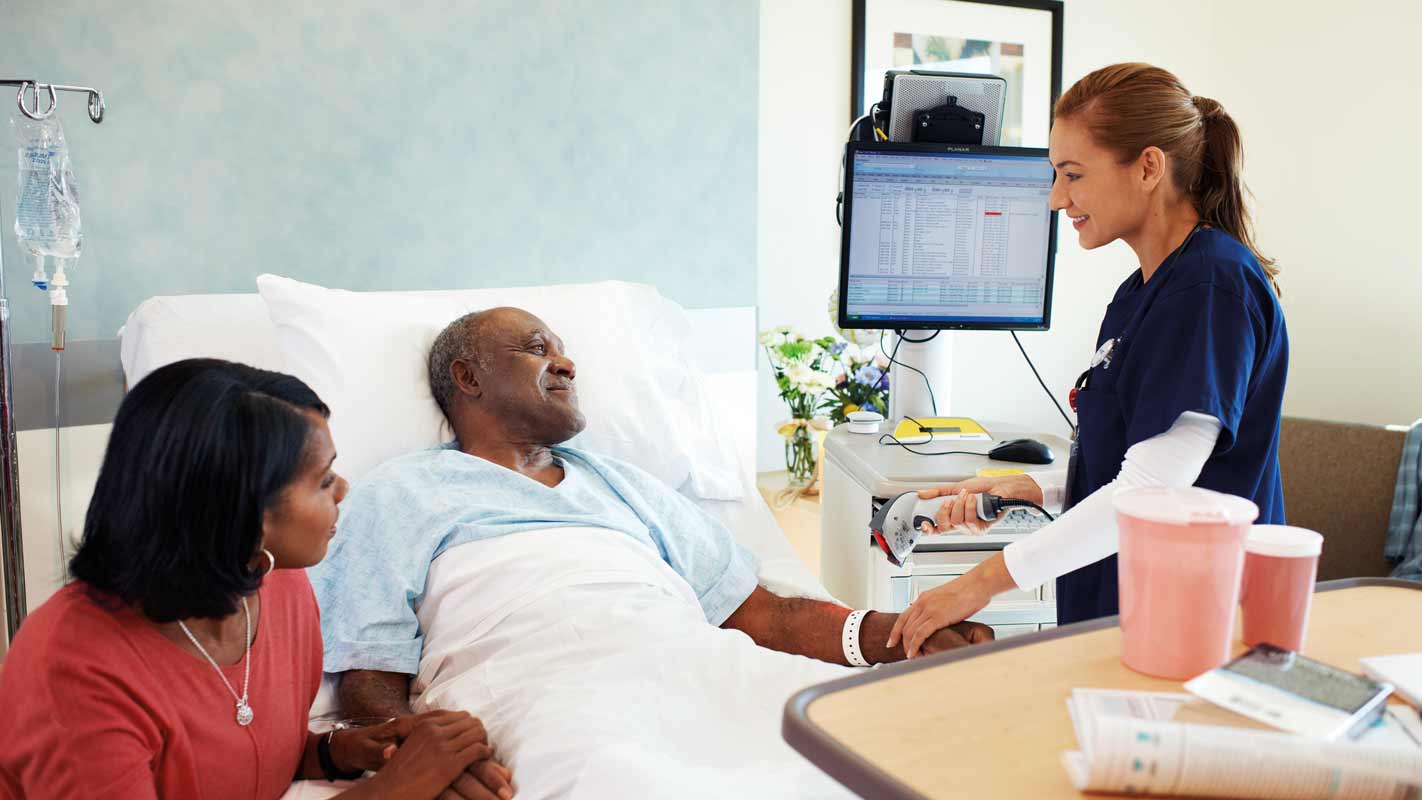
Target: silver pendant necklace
<point>244,711</point>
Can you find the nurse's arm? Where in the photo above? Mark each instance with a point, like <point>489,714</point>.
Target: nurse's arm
<point>1082,536</point>
<point>1088,532</point>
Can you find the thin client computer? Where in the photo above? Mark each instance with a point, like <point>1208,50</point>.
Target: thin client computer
<point>945,237</point>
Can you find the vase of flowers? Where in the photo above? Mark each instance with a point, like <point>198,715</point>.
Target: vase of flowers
<point>803,375</point>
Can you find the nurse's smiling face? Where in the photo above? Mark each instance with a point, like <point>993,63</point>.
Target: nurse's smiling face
<point>1104,199</point>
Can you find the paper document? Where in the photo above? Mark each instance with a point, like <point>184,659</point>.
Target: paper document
<point>1404,672</point>
<point>1173,744</point>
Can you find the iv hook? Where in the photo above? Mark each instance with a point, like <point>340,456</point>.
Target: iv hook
<point>35,113</point>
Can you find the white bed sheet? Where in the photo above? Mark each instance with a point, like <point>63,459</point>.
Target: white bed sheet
<point>597,674</point>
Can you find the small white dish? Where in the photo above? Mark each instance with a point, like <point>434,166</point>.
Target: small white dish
<point>863,421</point>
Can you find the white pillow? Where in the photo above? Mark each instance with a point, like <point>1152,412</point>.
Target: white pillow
<point>365,354</point>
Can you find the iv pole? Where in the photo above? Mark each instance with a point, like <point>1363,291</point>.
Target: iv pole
<point>12,556</point>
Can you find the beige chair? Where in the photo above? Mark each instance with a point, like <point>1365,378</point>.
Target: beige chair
<point>1339,479</point>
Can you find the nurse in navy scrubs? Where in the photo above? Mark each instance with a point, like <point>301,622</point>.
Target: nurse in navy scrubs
<point>1187,381</point>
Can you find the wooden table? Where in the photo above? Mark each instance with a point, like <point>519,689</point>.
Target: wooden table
<point>991,720</point>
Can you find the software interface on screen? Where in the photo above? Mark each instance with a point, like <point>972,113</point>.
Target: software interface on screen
<point>958,238</point>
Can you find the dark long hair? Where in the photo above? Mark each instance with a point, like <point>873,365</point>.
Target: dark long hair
<point>1129,107</point>
<point>199,450</point>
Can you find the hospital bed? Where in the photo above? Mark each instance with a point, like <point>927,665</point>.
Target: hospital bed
<point>722,351</point>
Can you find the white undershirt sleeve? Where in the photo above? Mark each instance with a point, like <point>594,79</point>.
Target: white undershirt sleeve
<point>1053,485</point>
<point>1087,533</point>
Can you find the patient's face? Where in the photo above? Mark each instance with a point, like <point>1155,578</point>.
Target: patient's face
<point>528,381</point>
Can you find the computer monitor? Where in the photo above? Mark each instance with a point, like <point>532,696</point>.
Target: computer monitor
<point>946,237</point>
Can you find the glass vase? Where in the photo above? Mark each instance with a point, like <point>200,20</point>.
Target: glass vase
<point>800,457</point>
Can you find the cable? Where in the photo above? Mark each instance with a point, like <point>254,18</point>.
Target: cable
<point>894,360</point>
<point>879,136</point>
<point>58,479</point>
<point>1050,396</point>
<point>894,440</point>
<point>1016,503</point>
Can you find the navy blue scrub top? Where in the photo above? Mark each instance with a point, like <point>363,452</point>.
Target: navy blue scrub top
<point>1204,334</point>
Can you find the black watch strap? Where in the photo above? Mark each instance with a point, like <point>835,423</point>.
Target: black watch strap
<point>328,766</point>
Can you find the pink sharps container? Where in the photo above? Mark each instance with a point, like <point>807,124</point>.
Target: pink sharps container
<point>1181,557</point>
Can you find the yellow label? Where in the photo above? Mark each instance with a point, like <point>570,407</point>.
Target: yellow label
<point>999,472</point>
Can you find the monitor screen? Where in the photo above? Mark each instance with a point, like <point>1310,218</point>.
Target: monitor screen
<point>950,237</point>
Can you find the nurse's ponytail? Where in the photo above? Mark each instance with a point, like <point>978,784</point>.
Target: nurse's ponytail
<point>1129,107</point>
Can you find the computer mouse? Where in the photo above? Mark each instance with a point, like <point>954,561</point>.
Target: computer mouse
<point>1023,451</point>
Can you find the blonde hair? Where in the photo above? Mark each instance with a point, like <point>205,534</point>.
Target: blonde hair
<point>1129,107</point>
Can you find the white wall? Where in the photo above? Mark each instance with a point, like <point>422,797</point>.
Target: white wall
<point>1336,192</point>
<point>1335,217</point>
<point>804,115</point>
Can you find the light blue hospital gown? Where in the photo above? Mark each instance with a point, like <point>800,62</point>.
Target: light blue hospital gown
<point>409,510</point>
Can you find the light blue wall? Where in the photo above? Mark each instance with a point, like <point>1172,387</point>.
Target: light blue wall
<point>380,145</point>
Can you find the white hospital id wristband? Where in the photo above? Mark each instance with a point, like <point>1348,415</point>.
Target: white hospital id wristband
<point>852,653</point>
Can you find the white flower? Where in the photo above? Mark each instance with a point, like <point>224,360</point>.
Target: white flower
<point>799,374</point>
<point>818,382</point>
<point>770,338</point>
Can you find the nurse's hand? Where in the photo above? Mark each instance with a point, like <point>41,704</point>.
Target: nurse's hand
<point>961,512</point>
<point>949,604</point>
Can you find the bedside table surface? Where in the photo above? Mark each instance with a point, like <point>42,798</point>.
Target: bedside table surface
<point>888,470</point>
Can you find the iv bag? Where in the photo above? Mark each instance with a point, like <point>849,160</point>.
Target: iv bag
<point>47,206</point>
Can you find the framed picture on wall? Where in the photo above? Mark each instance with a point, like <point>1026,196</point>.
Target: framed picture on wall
<point>1019,40</point>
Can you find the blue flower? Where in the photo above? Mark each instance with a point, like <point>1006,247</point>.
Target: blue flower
<point>869,374</point>
<point>837,348</point>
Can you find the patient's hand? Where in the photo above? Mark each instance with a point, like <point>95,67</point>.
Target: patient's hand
<point>482,780</point>
<point>954,636</point>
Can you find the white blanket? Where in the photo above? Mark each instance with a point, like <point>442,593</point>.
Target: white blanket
<point>597,675</point>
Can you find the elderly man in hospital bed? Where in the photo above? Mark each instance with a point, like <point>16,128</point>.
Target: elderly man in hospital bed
<point>611,635</point>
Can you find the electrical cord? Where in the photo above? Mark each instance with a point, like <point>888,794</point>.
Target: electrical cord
<point>1043,383</point>
<point>893,359</point>
<point>891,439</point>
<point>895,441</point>
<point>879,136</point>
<point>1012,502</point>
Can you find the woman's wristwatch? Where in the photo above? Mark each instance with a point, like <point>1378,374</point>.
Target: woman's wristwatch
<point>328,765</point>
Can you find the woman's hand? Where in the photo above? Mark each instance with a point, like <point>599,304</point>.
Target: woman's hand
<point>961,512</point>
<point>434,750</point>
<point>949,604</point>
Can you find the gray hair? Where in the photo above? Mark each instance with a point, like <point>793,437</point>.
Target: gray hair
<point>457,342</point>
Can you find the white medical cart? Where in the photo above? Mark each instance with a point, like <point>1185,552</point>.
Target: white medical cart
<point>860,474</point>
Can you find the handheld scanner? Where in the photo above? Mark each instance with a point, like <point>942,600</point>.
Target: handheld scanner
<point>898,523</point>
